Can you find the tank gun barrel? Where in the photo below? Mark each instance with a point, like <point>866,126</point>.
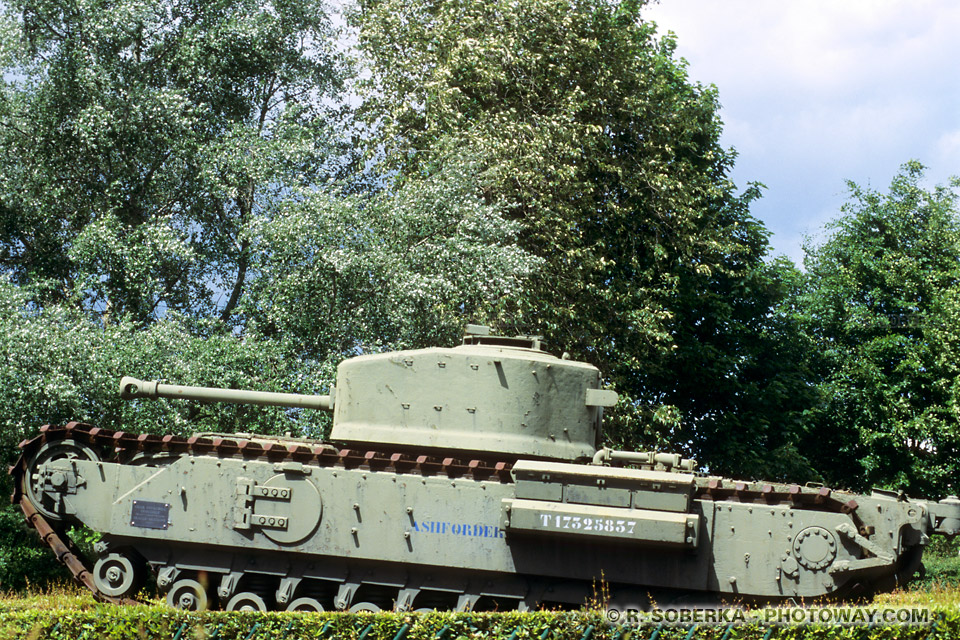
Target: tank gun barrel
<point>131,388</point>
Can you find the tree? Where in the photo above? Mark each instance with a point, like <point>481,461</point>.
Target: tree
<point>880,304</point>
<point>56,365</point>
<point>591,136</point>
<point>171,164</point>
<point>162,154</point>
<point>403,268</point>
<point>140,138</point>
<point>176,202</point>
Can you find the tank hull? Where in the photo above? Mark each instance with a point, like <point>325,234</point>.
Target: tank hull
<point>295,521</point>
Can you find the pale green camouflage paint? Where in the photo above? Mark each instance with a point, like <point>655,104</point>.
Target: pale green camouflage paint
<point>564,523</point>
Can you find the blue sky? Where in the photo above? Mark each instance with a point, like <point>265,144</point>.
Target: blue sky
<point>816,92</point>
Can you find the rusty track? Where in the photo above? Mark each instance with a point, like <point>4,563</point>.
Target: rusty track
<point>227,446</point>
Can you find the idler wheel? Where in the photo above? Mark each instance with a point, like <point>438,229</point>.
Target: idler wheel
<point>34,483</point>
<point>364,607</point>
<point>305,604</point>
<point>116,576</point>
<point>246,601</point>
<point>188,595</point>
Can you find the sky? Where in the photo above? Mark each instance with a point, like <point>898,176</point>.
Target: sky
<point>818,92</point>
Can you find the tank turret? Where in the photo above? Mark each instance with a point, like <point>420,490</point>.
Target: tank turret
<point>491,394</point>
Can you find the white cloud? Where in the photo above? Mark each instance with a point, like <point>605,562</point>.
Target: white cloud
<point>815,92</point>
<point>812,44</point>
<point>948,150</point>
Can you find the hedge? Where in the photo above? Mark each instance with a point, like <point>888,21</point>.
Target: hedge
<point>107,622</point>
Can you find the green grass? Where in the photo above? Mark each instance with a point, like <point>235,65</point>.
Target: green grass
<point>66,597</point>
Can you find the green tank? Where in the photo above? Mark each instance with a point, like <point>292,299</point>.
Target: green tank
<point>464,478</point>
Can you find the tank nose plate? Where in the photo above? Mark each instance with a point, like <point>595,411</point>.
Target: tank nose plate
<point>815,548</point>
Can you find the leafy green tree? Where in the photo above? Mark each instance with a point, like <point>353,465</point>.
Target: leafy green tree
<point>171,164</point>
<point>591,136</point>
<point>140,138</point>
<point>58,365</point>
<point>880,305</point>
<point>403,268</point>
<point>169,157</point>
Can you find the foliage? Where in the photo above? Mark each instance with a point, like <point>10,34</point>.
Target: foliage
<point>591,136</point>
<point>161,621</point>
<point>940,572</point>
<point>169,157</point>
<point>141,137</point>
<point>339,276</point>
<point>880,304</point>
<point>23,558</point>
<point>74,617</point>
<point>164,157</point>
<point>58,366</point>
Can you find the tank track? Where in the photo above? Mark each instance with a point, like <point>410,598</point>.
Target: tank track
<point>121,447</point>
